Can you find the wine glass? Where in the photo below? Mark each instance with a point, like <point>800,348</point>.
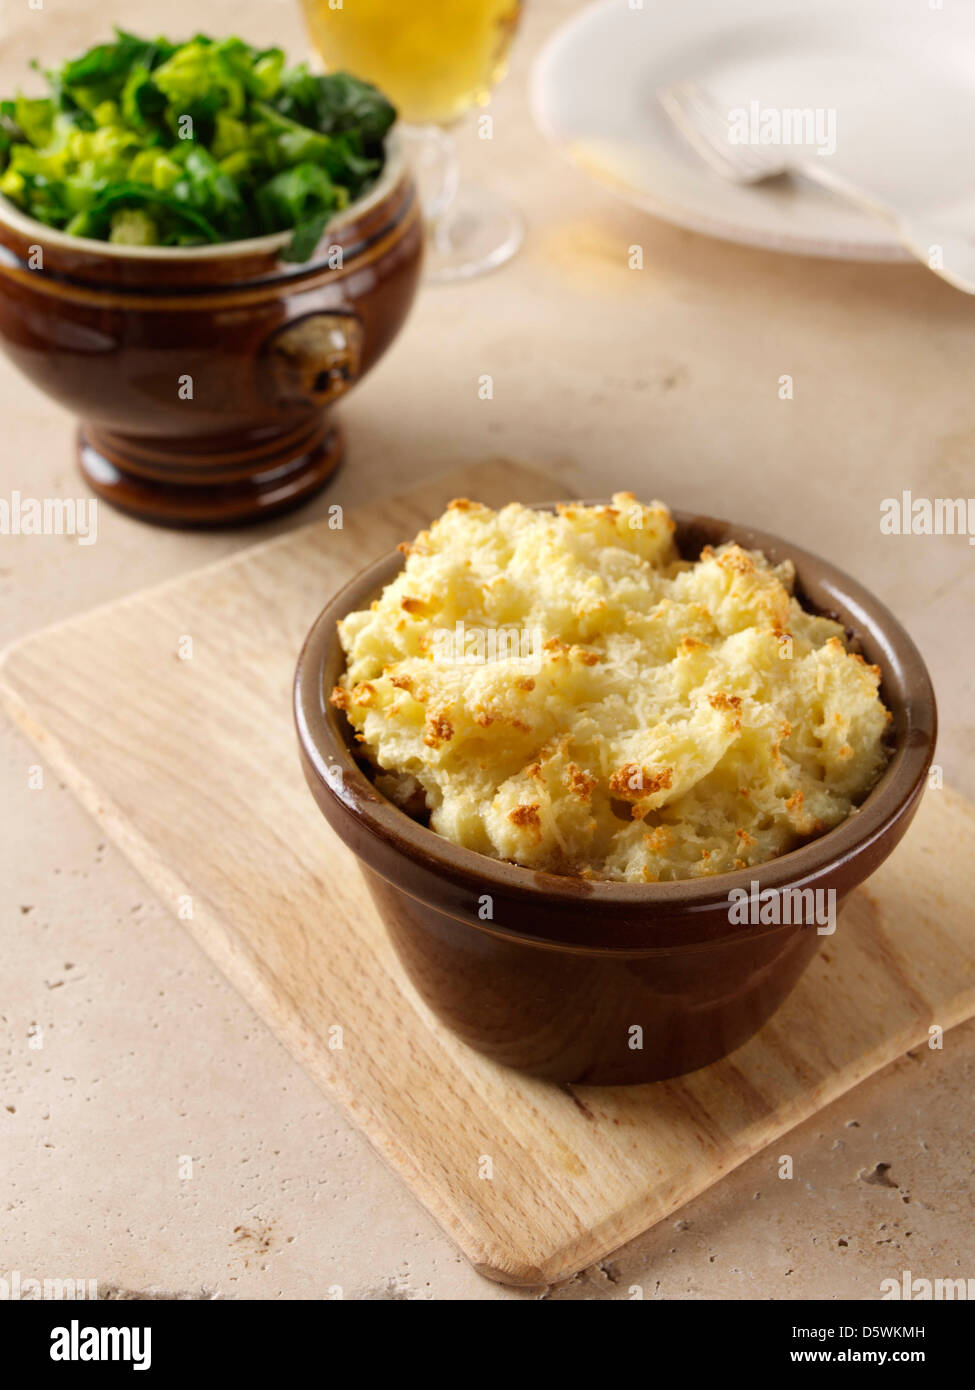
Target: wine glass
<point>435,60</point>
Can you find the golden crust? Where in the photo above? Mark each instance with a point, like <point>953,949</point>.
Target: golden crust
<point>657,718</point>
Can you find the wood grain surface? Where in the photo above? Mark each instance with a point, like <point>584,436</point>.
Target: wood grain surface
<point>190,763</point>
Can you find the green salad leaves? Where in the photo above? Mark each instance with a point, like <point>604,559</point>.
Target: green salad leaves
<point>152,143</point>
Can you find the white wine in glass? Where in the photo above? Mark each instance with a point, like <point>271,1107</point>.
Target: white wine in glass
<point>435,60</point>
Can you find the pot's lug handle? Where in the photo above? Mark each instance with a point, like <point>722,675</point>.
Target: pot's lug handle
<point>314,359</point>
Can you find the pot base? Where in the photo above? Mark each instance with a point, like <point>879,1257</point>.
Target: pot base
<point>176,485</point>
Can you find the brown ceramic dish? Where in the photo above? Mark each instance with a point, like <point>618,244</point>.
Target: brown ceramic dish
<point>563,971</point>
<point>121,335</point>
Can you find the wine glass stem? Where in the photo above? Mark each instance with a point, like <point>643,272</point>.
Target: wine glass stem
<point>469,229</point>
<point>438,168</point>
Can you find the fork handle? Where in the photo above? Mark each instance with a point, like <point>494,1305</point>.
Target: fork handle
<point>947,252</point>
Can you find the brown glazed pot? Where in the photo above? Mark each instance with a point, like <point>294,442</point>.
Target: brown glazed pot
<point>121,335</point>
<point>564,969</point>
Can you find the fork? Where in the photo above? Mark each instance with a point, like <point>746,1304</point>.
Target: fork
<point>707,130</point>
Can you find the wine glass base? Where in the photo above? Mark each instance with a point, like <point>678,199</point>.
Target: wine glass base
<point>478,231</point>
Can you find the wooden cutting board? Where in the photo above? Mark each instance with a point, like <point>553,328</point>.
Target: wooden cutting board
<point>191,766</point>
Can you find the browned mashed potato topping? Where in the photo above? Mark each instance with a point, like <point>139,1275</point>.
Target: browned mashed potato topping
<point>605,708</point>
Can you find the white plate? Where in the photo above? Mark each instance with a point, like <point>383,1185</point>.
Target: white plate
<point>899,74</point>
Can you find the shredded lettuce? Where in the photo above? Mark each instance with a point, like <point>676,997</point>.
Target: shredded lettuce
<point>152,143</point>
